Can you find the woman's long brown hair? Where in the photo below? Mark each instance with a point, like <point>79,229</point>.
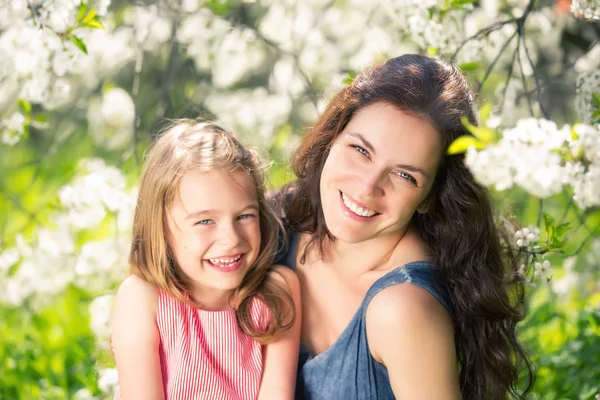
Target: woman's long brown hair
<point>459,227</point>
<point>185,146</point>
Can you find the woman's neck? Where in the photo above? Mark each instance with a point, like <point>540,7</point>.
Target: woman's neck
<point>381,253</point>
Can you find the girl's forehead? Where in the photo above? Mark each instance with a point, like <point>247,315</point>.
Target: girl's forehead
<point>216,189</point>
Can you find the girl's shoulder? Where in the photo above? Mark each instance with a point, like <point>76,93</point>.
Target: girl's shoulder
<point>136,293</point>
<point>133,320</point>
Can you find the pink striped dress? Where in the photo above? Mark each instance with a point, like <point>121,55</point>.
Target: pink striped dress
<point>205,355</point>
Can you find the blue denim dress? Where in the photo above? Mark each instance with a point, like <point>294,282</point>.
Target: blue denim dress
<point>346,370</point>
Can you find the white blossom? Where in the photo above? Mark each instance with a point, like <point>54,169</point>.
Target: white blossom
<point>8,258</point>
<point>570,279</point>
<point>151,29</point>
<point>108,379</point>
<point>526,236</point>
<point>543,269</point>
<point>244,111</point>
<point>237,55</point>
<point>111,119</point>
<point>13,128</point>
<point>525,156</point>
<point>588,9</point>
<point>98,189</point>
<point>100,313</point>
<point>587,85</point>
<point>586,184</point>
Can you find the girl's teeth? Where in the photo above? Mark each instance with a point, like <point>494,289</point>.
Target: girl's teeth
<point>356,209</point>
<point>225,262</point>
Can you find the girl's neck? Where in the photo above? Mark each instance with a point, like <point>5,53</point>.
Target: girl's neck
<point>212,299</point>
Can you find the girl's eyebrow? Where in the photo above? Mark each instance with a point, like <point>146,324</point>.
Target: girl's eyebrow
<point>196,214</point>
<point>370,147</point>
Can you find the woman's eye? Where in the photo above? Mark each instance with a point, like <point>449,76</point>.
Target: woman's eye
<point>360,149</point>
<point>406,176</point>
<point>204,222</point>
<point>246,216</point>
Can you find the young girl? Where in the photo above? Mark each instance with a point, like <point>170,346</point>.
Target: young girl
<point>204,314</point>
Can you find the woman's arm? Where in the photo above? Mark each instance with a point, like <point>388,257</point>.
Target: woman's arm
<point>411,333</point>
<point>281,356</point>
<point>135,341</point>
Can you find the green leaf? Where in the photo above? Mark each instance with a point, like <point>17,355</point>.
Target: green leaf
<point>95,24</point>
<point>596,99</point>
<point>39,122</point>
<point>462,2</point>
<point>349,79</point>
<point>574,135</point>
<point>549,226</point>
<point>486,135</point>
<point>78,42</point>
<point>484,112</point>
<point>432,51</point>
<point>472,66</point>
<point>90,16</point>
<point>25,106</point>
<point>596,114</point>
<point>561,229</point>
<point>462,143</point>
<point>81,13</point>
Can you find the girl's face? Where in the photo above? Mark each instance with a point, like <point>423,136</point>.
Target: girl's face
<point>214,230</point>
<point>380,169</point>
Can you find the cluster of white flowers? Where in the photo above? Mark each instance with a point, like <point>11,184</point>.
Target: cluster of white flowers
<point>541,158</point>
<point>426,28</point>
<point>108,380</point>
<point>229,54</point>
<point>569,280</point>
<point>95,191</point>
<point>527,236</point>
<point>52,260</point>
<point>111,119</point>
<point>587,85</point>
<point>543,269</point>
<point>35,51</point>
<point>100,313</point>
<point>526,156</point>
<point>588,9</point>
<point>244,111</point>
<point>583,170</point>
<point>12,128</point>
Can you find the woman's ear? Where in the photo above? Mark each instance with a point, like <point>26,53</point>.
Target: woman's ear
<point>424,207</point>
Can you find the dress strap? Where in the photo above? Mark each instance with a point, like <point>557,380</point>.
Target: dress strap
<point>419,273</point>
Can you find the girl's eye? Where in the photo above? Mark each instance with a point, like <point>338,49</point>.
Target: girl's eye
<point>408,177</point>
<point>204,222</point>
<point>246,216</point>
<point>360,149</point>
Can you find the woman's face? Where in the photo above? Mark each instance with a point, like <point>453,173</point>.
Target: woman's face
<point>379,171</point>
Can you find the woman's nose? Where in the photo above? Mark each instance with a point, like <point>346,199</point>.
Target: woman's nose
<point>371,183</point>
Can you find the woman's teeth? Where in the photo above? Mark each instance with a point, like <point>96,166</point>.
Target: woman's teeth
<point>356,209</point>
<point>225,261</point>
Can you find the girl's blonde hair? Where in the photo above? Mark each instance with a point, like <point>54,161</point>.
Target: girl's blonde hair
<point>183,147</point>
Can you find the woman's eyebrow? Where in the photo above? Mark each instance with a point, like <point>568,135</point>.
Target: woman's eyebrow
<point>370,147</point>
<point>364,141</point>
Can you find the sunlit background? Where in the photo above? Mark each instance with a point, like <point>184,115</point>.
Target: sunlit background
<point>85,87</point>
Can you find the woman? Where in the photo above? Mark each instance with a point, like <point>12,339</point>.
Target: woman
<point>400,264</point>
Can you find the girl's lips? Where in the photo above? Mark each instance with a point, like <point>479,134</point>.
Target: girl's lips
<point>227,267</point>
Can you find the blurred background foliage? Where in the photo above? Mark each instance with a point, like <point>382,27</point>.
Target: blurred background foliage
<point>263,69</point>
